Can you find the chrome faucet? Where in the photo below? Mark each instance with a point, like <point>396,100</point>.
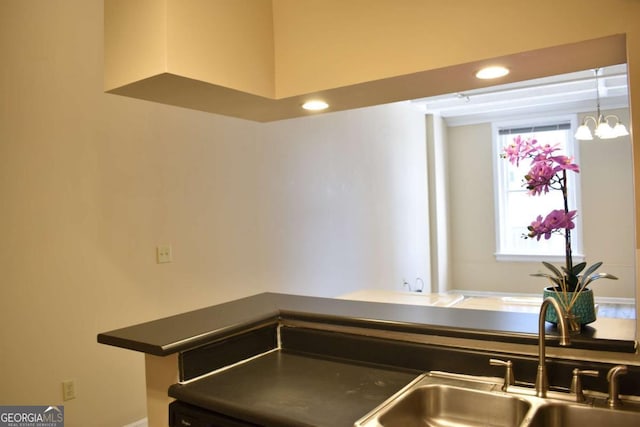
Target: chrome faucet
<point>612,376</point>
<point>542,382</point>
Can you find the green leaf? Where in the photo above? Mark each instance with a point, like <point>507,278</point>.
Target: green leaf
<point>590,270</point>
<point>593,268</point>
<point>554,269</point>
<point>595,277</point>
<point>578,268</point>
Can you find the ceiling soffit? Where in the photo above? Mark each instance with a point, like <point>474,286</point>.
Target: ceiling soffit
<point>153,78</point>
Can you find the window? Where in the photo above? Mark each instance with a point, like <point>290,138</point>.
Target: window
<point>515,208</point>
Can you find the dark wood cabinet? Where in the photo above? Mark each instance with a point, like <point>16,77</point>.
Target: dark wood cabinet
<point>185,415</point>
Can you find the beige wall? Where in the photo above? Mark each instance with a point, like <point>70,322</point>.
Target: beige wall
<point>373,39</point>
<point>607,213</point>
<point>91,183</point>
<point>229,42</point>
<point>223,41</point>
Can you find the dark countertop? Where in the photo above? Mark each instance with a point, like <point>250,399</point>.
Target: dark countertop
<point>188,330</point>
<point>284,389</point>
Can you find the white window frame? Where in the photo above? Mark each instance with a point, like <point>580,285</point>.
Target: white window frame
<point>499,175</point>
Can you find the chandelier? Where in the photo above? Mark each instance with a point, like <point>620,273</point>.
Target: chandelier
<point>606,127</point>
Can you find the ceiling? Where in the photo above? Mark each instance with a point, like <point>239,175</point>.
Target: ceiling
<point>565,93</point>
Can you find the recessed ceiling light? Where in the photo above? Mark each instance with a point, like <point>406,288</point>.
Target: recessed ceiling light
<point>492,72</point>
<point>315,105</point>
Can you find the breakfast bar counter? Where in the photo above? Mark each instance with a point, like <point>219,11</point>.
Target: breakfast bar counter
<point>183,331</point>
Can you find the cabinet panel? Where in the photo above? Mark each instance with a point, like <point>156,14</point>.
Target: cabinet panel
<point>184,415</point>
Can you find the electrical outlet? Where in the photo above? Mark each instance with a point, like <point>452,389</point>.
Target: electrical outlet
<point>163,254</point>
<point>68,390</point>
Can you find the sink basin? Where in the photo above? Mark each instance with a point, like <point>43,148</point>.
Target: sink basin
<point>444,405</point>
<point>439,399</point>
<point>556,415</point>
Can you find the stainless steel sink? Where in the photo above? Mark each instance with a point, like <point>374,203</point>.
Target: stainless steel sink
<point>454,400</point>
<point>448,400</point>
<point>443,405</point>
<point>563,415</point>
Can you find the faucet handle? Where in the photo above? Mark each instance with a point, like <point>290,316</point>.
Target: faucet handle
<point>612,376</point>
<point>576,383</point>
<point>509,379</point>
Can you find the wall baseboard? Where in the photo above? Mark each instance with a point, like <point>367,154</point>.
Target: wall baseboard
<point>140,423</point>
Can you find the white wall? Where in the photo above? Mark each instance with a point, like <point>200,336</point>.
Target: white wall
<point>607,212</point>
<point>91,183</point>
<point>439,210</point>
<point>343,200</point>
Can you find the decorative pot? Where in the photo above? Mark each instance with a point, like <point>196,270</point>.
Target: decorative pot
<point>583,309</point>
